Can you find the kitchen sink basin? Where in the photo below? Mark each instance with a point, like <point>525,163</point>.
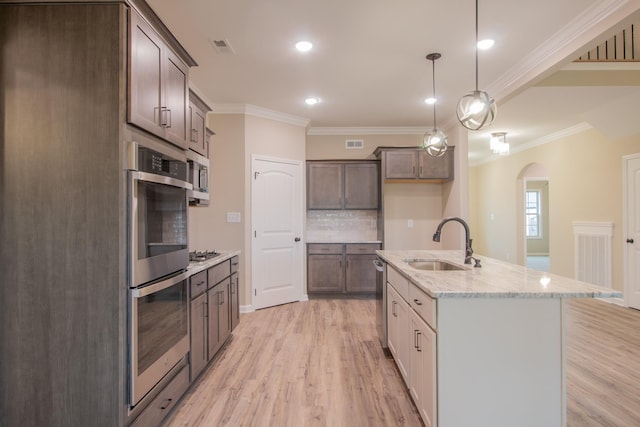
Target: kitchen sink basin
<point>432,265</point>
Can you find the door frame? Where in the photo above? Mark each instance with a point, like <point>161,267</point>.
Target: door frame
<point>300,280</point>
<point>626,262</point>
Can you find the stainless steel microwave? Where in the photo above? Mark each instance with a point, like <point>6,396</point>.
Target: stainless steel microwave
<point>199,178</point>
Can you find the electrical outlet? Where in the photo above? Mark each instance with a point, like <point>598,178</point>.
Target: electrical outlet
<point>409,223</point>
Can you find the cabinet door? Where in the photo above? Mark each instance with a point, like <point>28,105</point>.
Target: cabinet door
<point>398,324</point>
<point>400,164</point>
<point>422,385</point>
<point>213,309</point>
<point>224,310</point>
<point>176,99</point>
<point>360,273</point>
<point>197,132</point>
<point>361,184</point>
<point>145,79</point>
<point>198,335</point>
<point>440,168</point>
<point>235,300</point>
<point>325,273</point>
<point>324,186</point>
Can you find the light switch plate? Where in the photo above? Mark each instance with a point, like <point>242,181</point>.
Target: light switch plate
<point>233,216</point>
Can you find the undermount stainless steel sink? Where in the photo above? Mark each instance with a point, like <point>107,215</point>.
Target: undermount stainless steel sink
<point>432,265</point>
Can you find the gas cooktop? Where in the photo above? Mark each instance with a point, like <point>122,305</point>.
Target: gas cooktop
<point>203,255</point>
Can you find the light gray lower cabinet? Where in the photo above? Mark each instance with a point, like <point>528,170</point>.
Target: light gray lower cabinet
<point>360,273</point>
<point>199,328</point>
<point>341,268</point>
<point>219,316</point>
<point>235,300</point>
<point>214,294</point>
<point>325,273</point>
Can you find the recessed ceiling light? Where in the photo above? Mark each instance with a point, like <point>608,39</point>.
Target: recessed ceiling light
<point>431,100</point>
<point>311,101</point>
<point>304,46</point>
<point>485,44</point>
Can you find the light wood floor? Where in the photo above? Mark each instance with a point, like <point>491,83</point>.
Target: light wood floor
<point>315,363</point>
<point>319,363</point>
<point>603,365</point>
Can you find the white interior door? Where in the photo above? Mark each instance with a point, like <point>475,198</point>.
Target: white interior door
<point>632,229</point>
<point>277,248</point>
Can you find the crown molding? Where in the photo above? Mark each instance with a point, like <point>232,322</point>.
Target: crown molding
<point>555,136</point>
<point>366,130</point>
<point>566,43</point>
<point>265,113</point>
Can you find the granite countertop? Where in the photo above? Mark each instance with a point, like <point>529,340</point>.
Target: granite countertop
<point>198,266</point>
<point>497,279</point>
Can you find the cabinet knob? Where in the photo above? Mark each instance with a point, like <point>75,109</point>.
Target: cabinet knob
<point>630,240</point>
<point>417,301</point>
<point>297,239</point>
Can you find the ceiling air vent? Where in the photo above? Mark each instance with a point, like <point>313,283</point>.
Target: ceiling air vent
<point>222,46</point>
<point>354,144</point>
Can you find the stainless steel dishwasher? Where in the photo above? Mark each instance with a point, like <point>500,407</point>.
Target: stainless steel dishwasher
<point>381,300</point>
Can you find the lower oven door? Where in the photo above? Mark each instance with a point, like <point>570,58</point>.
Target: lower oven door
<point>159,334</point>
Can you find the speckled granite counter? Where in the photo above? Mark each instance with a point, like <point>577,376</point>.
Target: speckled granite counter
<point>495,279</point>
<point>198,266</point>
<point>485,346</point>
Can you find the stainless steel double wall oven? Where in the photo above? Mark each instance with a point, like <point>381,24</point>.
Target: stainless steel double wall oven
<point>158,258</point>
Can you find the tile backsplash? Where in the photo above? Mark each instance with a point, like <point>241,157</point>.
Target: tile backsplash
<point>344,225</point>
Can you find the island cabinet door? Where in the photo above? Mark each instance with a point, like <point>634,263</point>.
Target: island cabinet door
<point>198,335</point>
<point>398,331</point>
<point>422,385</point>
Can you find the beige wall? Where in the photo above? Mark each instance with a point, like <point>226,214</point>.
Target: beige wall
<point>585,184</point>
<point>238,137</point>
<point>332,147</point>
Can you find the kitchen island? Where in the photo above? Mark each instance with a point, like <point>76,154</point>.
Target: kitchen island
<point>480,346</point>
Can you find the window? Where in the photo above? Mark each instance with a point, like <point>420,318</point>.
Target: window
<point>532,213</point>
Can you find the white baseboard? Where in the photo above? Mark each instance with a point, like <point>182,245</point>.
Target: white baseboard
<point>246,309</point>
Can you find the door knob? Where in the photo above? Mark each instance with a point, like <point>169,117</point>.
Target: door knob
<point>629,240</point>
<point>297,239</point>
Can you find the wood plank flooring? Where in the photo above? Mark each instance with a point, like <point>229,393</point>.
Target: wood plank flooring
<point>319,363</point>
<point>315,363</point>
<point>603,364</point>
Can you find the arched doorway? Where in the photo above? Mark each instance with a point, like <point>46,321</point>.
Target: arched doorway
<point>533,217</point>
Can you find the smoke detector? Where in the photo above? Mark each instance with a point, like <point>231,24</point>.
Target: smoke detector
<point>223,46</point>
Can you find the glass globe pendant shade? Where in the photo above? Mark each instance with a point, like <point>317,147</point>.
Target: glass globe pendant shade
<point>476,110</point>
<point>435,142</point>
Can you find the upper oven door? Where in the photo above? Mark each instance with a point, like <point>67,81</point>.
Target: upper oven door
<point>158,226</point>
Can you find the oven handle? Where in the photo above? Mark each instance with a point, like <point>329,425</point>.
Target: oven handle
<point>157,287</point>
<point>159,179</point>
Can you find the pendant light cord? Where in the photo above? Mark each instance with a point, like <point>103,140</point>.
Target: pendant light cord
<point>476,45</point>
<point>433,63</point>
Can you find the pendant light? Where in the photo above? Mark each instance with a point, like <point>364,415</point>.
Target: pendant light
<point>498,143</point>
<point>434,141</point>
<point>476,109</point>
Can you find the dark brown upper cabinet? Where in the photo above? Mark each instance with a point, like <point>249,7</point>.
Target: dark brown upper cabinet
<point>343,185</point>
<point>158,85</point>
<point>413,164</point>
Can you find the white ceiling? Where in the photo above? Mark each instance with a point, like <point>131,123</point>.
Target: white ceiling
<point>369,69</point>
